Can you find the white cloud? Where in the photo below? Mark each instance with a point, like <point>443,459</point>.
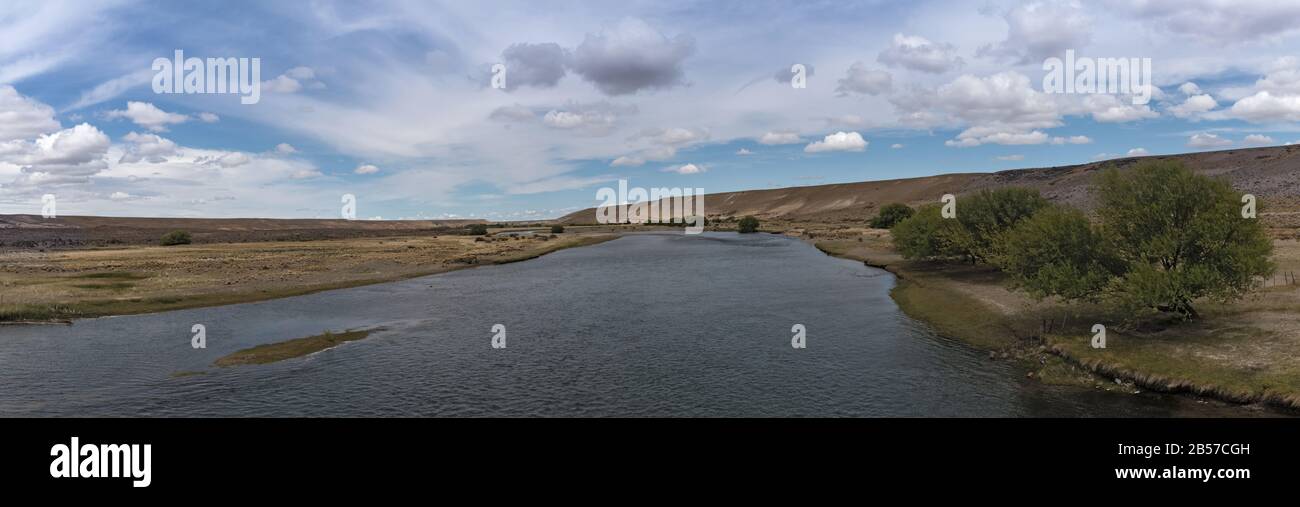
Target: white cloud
<point>285,149</point>
<point>148,148</point>
<point>1138,152</point>
<point>206,117</point>
<point>1189,89</point>
<point>148,116</point>
<point>1219,21</point>
<point>1265,107</point>
<point>918,53</point>
<point>685,169</point>
<point>366,169</point>
<point>1194,106</point>
<point>1207,140</point>
<point>744,151</point>
<point>1044,28</point>
<point>1072,140</point>
<point>860,79</point>
<point>22,117</point>
<point>839,141</point>
<point>1111,109</point>
<point>896,146</point>
<point>1011,158</point>
<point>777,138</point>
<point>68,156</point>
<point>1259,140</point>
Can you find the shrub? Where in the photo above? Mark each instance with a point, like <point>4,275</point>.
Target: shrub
<point>890,215</point>
<point>556,229</point>
<point>176,238</point>
<point>747,225</point>
<point>989,214</point>
<point>476,229</point>
<point>927,235</point>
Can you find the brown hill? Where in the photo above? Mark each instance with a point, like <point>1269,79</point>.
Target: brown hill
<point>1272,174</point>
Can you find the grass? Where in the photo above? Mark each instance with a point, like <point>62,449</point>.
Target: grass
<point>273,352</point>
<point>94,300</point>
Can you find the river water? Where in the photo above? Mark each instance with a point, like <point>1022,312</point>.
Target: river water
<point>660,324</point>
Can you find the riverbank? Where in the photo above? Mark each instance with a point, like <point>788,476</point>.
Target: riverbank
<point>55,286</point>
<point>1246,352</point>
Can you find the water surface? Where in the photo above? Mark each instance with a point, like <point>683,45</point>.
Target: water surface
<point>660,324</point>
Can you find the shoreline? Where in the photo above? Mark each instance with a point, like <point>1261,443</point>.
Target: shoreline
<point>974,322</point>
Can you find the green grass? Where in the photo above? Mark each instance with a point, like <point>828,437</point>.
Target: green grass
<point>273,352</point>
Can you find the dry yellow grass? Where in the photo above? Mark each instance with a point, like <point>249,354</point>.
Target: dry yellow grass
<point>80,283</point>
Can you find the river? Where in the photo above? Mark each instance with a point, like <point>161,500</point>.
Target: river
<point>658,324</point>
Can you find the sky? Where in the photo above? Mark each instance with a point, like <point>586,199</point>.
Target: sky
<point>395,103</point>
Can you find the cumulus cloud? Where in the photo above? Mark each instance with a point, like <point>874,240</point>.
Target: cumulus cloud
<point>744,151</point>
<point>22,117</point>
<point>148,148</point>
<point>918,53</point>
<point>1113,109</point>
<point>777,138</point>
<point>148,116</point>
<point>206,117</point>
<point>839,141</point>
<point>860,79</point>
<point>536,65</point>
<point>67,156</point>
<point>896,146</point>
<point>1138,152</point>
<point>631,56</point>
<point>1040,29</point>
<point>1258,140</point>
<point>1207,140</point>
<point>366,169</point>
<point>285,149</point>
<point>1194,106</point>
<point>685,169</point>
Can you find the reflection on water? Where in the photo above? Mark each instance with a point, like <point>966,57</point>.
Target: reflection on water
<point>647,325</point>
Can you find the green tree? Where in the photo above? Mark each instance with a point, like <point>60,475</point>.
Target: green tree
<point>927,235</point>
<point>476,229</point>
<point>1181,237</point>
<point>989,214</point>
<point>176,238</point>
<point>1058,252</point>
<point>557,229</point>
<point>747,225</point>
<point>890,215</point>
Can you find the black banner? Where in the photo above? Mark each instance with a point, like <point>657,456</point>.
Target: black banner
<point>320,456</point>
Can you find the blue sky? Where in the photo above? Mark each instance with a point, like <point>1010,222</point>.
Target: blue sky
<point>392,101</point>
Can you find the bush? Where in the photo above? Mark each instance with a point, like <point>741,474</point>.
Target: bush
<point>556,229</point>
<point>927,235</point>
<point>1057,252</point>
<point>176,238</point>
<point>890,215</point>
<point>476,229</point>
<point>747,225</point>
<point>989,214</point>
